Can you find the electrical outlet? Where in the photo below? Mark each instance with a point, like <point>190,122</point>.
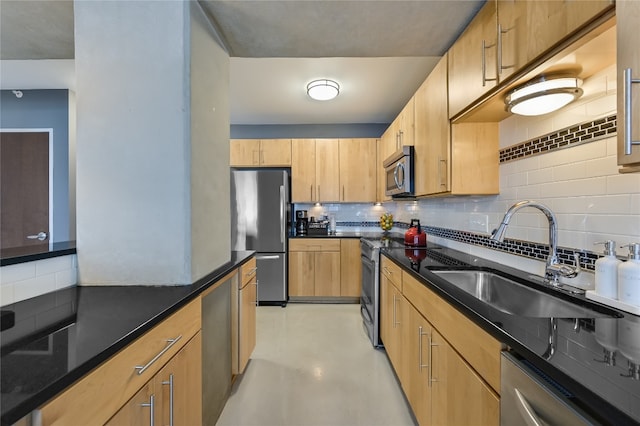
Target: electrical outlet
<point>479,223</point>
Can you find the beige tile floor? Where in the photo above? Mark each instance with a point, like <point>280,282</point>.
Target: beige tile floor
<point>313,365</point>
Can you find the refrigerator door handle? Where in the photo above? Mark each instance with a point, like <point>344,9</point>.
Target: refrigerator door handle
<point>282,213</point>
<point>267,257</point>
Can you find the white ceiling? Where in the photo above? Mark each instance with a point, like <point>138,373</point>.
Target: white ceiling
<point>378,50</point>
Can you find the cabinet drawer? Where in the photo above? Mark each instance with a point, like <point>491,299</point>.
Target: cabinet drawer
<point>392,271</point>
<point>475,345</point>
<point>96,397</point>
<point>314,244</point>
<point>248,272</point>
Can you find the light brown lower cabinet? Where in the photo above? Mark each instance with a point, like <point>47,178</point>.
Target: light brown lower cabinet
<point>172,396</point>
<point>440,385</point>
<point>247,318</point>
<point>314,267</point>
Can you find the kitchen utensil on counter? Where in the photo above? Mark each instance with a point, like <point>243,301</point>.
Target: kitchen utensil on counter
<point>415,236</point>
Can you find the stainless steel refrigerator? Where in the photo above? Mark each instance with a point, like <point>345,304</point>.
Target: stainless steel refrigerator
<point>260,212</point>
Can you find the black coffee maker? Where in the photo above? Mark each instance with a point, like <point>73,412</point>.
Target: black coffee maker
<point>302,222</point>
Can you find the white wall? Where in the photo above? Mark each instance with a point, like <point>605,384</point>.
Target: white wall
<point>26,280</point>
<point>133,179</point>
<point>581,184</point>
<point>210,198</point>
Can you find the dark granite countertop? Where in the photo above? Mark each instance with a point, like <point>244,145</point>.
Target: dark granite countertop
<point>13,255</point>
<point>590,355</point>
<point>61,336</point>
<point>345,234</point>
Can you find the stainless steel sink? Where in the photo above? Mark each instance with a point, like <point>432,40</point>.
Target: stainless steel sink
<point>513,298</point>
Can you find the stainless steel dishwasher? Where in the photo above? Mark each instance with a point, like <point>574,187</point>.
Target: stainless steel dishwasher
<point>527,397</point>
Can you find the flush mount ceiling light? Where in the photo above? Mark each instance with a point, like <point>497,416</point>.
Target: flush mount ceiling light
<point>543,95</point>
<point>323,90</point>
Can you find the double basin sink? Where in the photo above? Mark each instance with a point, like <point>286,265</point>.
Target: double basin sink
<point>513,298</point>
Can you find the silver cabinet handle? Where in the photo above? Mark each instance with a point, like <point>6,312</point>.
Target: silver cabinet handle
<point>256,284</point>
<point>431,346</point>
<point>627,81</point>
<point>499,50</point>
<point>311,192</point>
<point>253,271</point>
<point>484,63</point>
<point>170,383</point>
<point>170,342</point>
<point>394,310</point>
<point>442,162</point>
<point>39,236</point>
<point>151,404</point>
<point>420,334</point>
<point>526,410</point>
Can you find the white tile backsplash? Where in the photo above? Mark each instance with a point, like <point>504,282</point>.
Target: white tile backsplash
<point>30,279</point>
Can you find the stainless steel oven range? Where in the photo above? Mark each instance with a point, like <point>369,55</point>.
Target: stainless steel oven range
<point>370,293</point>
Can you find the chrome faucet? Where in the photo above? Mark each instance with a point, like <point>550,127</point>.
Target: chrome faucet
<point>554,268</point>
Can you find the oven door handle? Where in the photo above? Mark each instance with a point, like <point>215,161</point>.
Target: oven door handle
<point>365,314</point>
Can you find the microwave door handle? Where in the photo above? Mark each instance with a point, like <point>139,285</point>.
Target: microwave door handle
<point>399,180</point>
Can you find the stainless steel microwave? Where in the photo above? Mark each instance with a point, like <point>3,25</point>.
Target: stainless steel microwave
<point>399,173</point>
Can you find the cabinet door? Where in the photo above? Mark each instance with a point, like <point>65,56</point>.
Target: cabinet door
<point>459,395</point>
<point>327,170</point>
<point>472,67</point>
<point>433,137</point>
<point>303,170</point>
<point>248,299</point>
<point>416,334</point>
<point>391,320</point>
<point>350,267</point>
<point>275,152</point>
<point>301,273</point>
<point>244,152</point>
<point>177,383</point>
<point>357,170</point>
<point>327,274</point>
<point>139,409</point>
<point>385,146</point>
<point>475,158</point>
<point>627,18</point>
<point>405,125</point>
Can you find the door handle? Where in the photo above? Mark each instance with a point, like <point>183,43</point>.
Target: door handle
<point>151,404</point>
<point>526,410</point>
<point>39,236</point>
<point>484,63</point>
<point>626,93</point>
<point>171,384</point>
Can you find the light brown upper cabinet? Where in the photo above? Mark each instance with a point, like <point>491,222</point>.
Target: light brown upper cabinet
<point>260,153</point>
<point>333,170</point>
<point>510,36</point>
<point>628,16</point>
<point>464,161</point>
<point>432,134</point>
<point>472,59</point>
<point>527,29</point>
<point>357,170</point>
<point>315,170</point>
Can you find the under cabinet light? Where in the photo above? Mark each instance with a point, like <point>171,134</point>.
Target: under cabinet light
<point>543,95</point>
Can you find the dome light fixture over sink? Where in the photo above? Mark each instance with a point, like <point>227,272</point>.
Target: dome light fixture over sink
<point>323,90</point>
<point>543,95</point>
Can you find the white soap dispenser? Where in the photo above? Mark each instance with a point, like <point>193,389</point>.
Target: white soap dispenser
<point>629,277</point>
<point>607,271</point>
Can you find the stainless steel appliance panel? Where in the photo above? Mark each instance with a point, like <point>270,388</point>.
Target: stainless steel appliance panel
<point>529,399</point>
<point>370,291</point>
<point>260,203</point>
<point>272,271</point>
<point>260,215</point>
